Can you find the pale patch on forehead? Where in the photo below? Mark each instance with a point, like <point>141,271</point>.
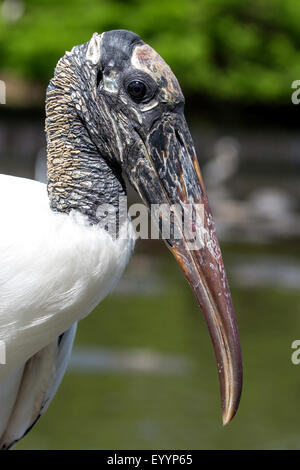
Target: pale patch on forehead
<point>93,52</point>
<point>149,61</point>
<point>110,82</point>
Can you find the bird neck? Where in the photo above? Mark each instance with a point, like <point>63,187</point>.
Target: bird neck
<point>79,178</point>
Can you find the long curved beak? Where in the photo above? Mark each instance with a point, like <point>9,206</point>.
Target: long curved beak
<point>169,175</point>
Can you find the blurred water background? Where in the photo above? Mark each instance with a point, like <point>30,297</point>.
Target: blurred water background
<point>143,373</point>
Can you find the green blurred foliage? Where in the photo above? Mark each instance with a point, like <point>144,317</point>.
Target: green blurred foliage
<point>228,49</point>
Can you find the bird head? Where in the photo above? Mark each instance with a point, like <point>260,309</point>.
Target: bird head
<point>132,107</point>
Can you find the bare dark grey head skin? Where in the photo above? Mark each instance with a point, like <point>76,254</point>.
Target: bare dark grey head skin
<point>115,106</point>
<point>90,90</point>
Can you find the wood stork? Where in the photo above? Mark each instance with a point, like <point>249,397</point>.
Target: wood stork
<point>113,106</point>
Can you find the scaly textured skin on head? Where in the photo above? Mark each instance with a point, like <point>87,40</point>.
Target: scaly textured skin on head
<point>78,177</point>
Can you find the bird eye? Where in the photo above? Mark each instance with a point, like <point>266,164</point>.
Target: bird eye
<point>137,90</point>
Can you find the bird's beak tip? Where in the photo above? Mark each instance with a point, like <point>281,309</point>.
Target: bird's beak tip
<point>230,409</point>
<point>227,416</point>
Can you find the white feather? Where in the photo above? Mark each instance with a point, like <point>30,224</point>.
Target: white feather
<point>8,393</point>
<point>33,390</point>
<point>54,269</point>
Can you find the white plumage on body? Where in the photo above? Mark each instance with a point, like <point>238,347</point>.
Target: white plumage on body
<point>55,268</point>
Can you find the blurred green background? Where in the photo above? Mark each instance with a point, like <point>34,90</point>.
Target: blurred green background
<point>143,373</point>
<point>216,47</point>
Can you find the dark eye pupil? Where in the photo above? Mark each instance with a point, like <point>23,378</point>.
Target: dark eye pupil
<point>137,89</point>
